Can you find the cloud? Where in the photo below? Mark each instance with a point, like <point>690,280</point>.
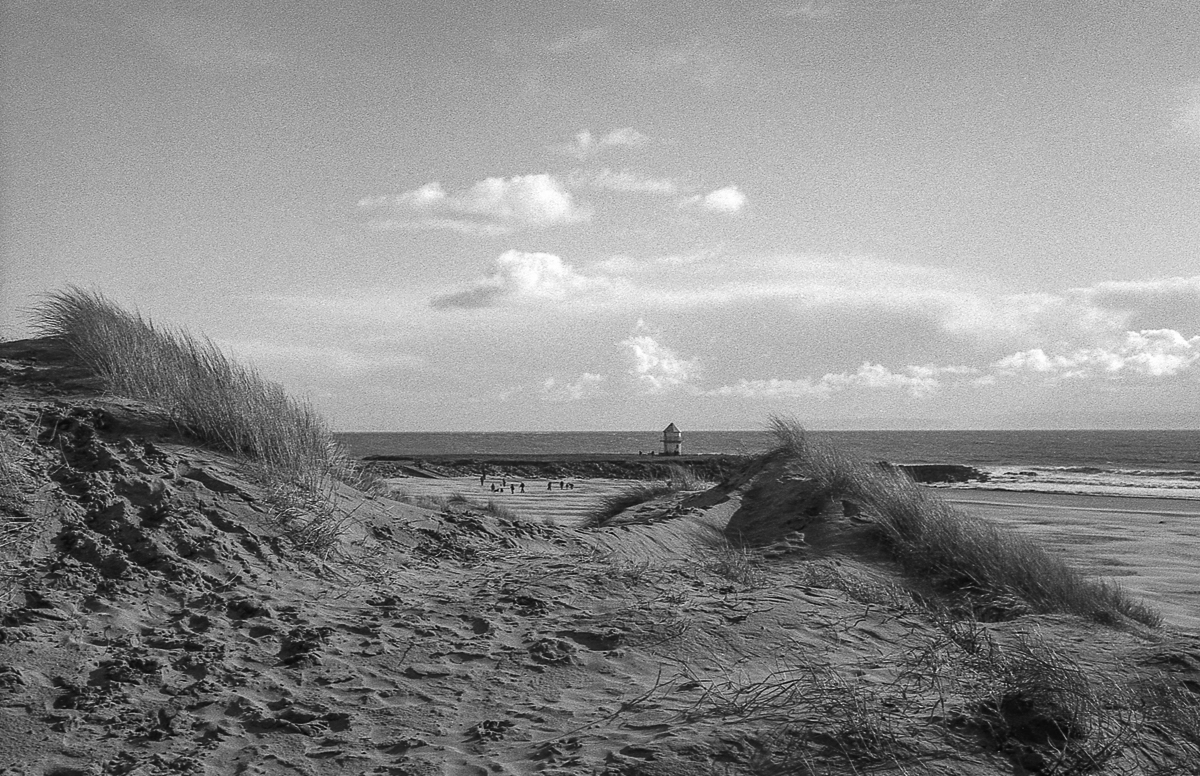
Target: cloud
<point>585,144</point>
<point>916,380</point>
<point>726,200</point>
<point>493,206</point>
<point>1149,353</point>
<point>623,180</point>
<point>656,367</point>
<point>586,385</point>
<point>1159,303</point>
<point>773,388</point>
<point>1122,292</point>
<point>519,276</point>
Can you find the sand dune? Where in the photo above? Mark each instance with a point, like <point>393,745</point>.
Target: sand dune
<point>161,615</point>
<point>1148,546</point>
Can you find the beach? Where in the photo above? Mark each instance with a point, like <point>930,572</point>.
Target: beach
<point>1150,546</point>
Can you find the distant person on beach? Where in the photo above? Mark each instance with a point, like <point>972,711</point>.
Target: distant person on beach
<point>482,479</point>
<point>549,486</point>
<point>522,487</point>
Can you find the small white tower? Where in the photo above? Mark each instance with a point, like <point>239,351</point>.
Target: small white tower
<point>672,440</point>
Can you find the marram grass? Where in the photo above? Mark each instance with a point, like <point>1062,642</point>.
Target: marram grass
<point>224,403</point>
<point>931,538</point>
<point>679,478</point>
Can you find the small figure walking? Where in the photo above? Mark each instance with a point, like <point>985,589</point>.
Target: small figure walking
<point>549,486</point>
<point>522,487</point>
<point>482,479</point>
<point>512,488</point>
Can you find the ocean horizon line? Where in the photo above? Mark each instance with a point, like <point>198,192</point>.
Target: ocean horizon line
<point>768,431</point>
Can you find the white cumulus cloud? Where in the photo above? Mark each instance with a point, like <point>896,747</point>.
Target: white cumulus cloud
<point>517,275</point>
<point>727,200</point>
<point>492,206</point>
<point>772,388</point>
<point>623,180</point>
<point>656,367</point>
<point>1150,353</point>
<point>585,144</point>
<point>916,380</point>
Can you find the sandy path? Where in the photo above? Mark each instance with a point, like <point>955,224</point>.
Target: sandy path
<point>1151,547</point>
<point>566,506</point>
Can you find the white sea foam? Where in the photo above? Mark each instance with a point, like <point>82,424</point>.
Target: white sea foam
<point>1143,483</point>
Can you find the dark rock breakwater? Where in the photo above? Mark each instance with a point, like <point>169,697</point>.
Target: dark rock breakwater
<point>647,467</point>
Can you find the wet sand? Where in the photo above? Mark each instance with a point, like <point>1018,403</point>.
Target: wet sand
<point>1150,546</point>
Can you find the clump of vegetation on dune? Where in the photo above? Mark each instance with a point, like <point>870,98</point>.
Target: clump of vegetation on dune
<point>225,404</point>
<point>679,479</point>
<point>931,538</point>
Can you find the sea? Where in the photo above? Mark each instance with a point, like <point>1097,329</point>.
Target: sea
<point>1157,464</point>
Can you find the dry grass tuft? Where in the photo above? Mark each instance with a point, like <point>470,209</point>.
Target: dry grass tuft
<point>682,478</point>
<point>933,539</point>
<point>223,403</point>
<point>738,564</point>
<point>613,505</point>
<point>679,479</point>
<point>496,509</point>
<point>1033,701</point>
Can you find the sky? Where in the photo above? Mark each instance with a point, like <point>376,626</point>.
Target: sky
<point>539,216</point>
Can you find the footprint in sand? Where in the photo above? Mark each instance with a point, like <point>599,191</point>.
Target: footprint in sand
<point>549,651</point>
